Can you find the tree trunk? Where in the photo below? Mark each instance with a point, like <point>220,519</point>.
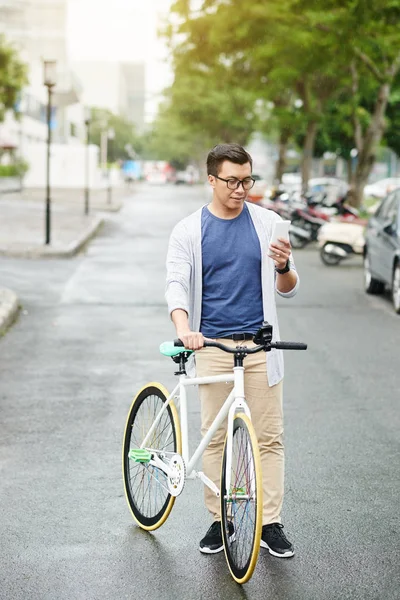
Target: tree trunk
<point>308,153</point>
<point>350,174</point>
<point>281,162</point>
<point>372,139</point>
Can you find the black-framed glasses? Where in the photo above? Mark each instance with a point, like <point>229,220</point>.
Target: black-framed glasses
<point>234,183</point>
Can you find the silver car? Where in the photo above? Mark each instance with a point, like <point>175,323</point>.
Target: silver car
<point>382,249</point>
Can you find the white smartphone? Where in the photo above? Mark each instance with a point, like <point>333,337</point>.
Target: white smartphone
<point>280,230</point>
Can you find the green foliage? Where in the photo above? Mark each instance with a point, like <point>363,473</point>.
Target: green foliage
<point>17,169</point>
<point>392,135</point>
<point>241,67</point>
<point>172,140</point>
<point>287,68</point>
<point>103,120</point>
<point>13,76</point>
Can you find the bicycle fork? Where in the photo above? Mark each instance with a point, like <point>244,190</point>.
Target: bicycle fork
<point>239,403</point>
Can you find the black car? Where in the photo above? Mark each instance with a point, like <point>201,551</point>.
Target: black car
<point>382,249</point>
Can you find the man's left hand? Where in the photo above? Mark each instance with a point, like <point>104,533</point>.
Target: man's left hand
<point>280,253</point>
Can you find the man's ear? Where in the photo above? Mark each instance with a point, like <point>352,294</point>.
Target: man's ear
<point>211,180</point>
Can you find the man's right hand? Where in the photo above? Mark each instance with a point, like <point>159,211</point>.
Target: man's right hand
<point>192,340</point>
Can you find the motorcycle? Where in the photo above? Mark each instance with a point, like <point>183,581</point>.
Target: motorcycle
<point>339,240</point>
<point>308,219</point>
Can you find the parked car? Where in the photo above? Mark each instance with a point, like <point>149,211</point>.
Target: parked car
<point>156,177</point>
<point>189,176</point>
<point>331,188</point>
<point>382,249</point>
<point>381,188</point>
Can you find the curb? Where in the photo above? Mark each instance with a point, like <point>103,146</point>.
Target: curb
<point>49,252</point>
<point>9,308</point>
<point>77,245</point>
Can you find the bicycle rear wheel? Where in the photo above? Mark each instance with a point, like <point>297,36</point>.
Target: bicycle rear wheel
<point>241,505</point>
<point>146,486</point>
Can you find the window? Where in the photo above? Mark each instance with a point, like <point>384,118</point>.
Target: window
<point>396,212</point>
<point>385,211</point>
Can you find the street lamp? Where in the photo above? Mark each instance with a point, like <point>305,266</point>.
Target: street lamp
<point>49,80</point>
<point>87,183</point>
<point>110,136</point>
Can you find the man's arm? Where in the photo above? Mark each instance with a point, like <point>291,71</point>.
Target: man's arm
<point>191,339</point>
<point>178,271</point>
<point>179,266</point>
<point>287,282</point>
<point>281,254</point>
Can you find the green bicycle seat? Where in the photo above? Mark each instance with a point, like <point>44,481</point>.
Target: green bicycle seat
<point>168,349</point>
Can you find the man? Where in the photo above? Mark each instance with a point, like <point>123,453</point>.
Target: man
<point>222,273</point>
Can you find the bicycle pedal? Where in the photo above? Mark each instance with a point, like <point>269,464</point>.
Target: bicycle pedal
<point>140,455</point>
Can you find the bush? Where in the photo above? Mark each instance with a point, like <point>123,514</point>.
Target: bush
<point>17,169</point>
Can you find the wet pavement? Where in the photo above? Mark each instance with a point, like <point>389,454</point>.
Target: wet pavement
<point>87,338</point>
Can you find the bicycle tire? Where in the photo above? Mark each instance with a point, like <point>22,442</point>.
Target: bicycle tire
<point>141,478</point>
<point>242,506</point>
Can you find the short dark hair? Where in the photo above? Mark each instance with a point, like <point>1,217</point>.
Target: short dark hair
<point>232,152</point>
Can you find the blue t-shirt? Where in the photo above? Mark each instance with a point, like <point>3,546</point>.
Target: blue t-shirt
<point>232,292</point>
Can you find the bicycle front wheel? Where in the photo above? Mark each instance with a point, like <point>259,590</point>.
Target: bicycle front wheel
<point>146,486</point>
<point>241,504</point>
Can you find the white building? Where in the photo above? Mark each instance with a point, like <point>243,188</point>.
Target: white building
<point>37,28</point>
<point>118,87</point>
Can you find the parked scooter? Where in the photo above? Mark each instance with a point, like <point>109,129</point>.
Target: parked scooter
<point>308,219</point>
<point>339,240</point>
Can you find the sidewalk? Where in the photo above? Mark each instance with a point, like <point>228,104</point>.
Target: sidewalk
<point>22,229</point>
<point>22,221</point>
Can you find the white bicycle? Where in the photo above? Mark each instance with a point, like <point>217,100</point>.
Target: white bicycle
<point>156,461</point>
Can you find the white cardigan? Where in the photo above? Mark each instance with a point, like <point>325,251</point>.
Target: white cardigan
<point>184,276</point>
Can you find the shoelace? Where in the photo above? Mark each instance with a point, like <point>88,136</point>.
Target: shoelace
<point>276,532</point>
<point>215,528</point>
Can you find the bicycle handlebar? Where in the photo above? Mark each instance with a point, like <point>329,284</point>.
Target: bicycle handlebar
<point>289,345</point>
<point>267,347</point>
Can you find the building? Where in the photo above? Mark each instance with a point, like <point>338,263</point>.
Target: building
<point>118,87</point>
<point>133,75</point>
<point>37,29</point>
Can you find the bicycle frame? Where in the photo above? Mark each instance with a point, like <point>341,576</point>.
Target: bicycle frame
<point>234,401</point>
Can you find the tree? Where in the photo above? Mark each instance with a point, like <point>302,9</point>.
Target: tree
<point>277,57</point>
<point>392,134</point>
<point>103,120</point>
<point>336,133</point>
<point>13,77</point>
<point>281,120</point>
<point>376,52</point>
<point>367,34</point>
<point>172,140</point>
<point>283,51</point>
<point>205,97</point>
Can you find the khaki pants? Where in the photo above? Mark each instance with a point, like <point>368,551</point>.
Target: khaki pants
<point>265,404</point>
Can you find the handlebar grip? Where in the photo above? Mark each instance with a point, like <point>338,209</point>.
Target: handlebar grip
<point>178,343</point>
<point>289,346</point>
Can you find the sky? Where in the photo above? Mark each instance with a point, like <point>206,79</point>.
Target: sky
<point>121,30</point>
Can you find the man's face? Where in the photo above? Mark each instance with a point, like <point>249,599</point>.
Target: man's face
<point>230,199</point>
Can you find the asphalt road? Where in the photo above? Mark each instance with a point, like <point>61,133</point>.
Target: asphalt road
<point>88,337</point>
